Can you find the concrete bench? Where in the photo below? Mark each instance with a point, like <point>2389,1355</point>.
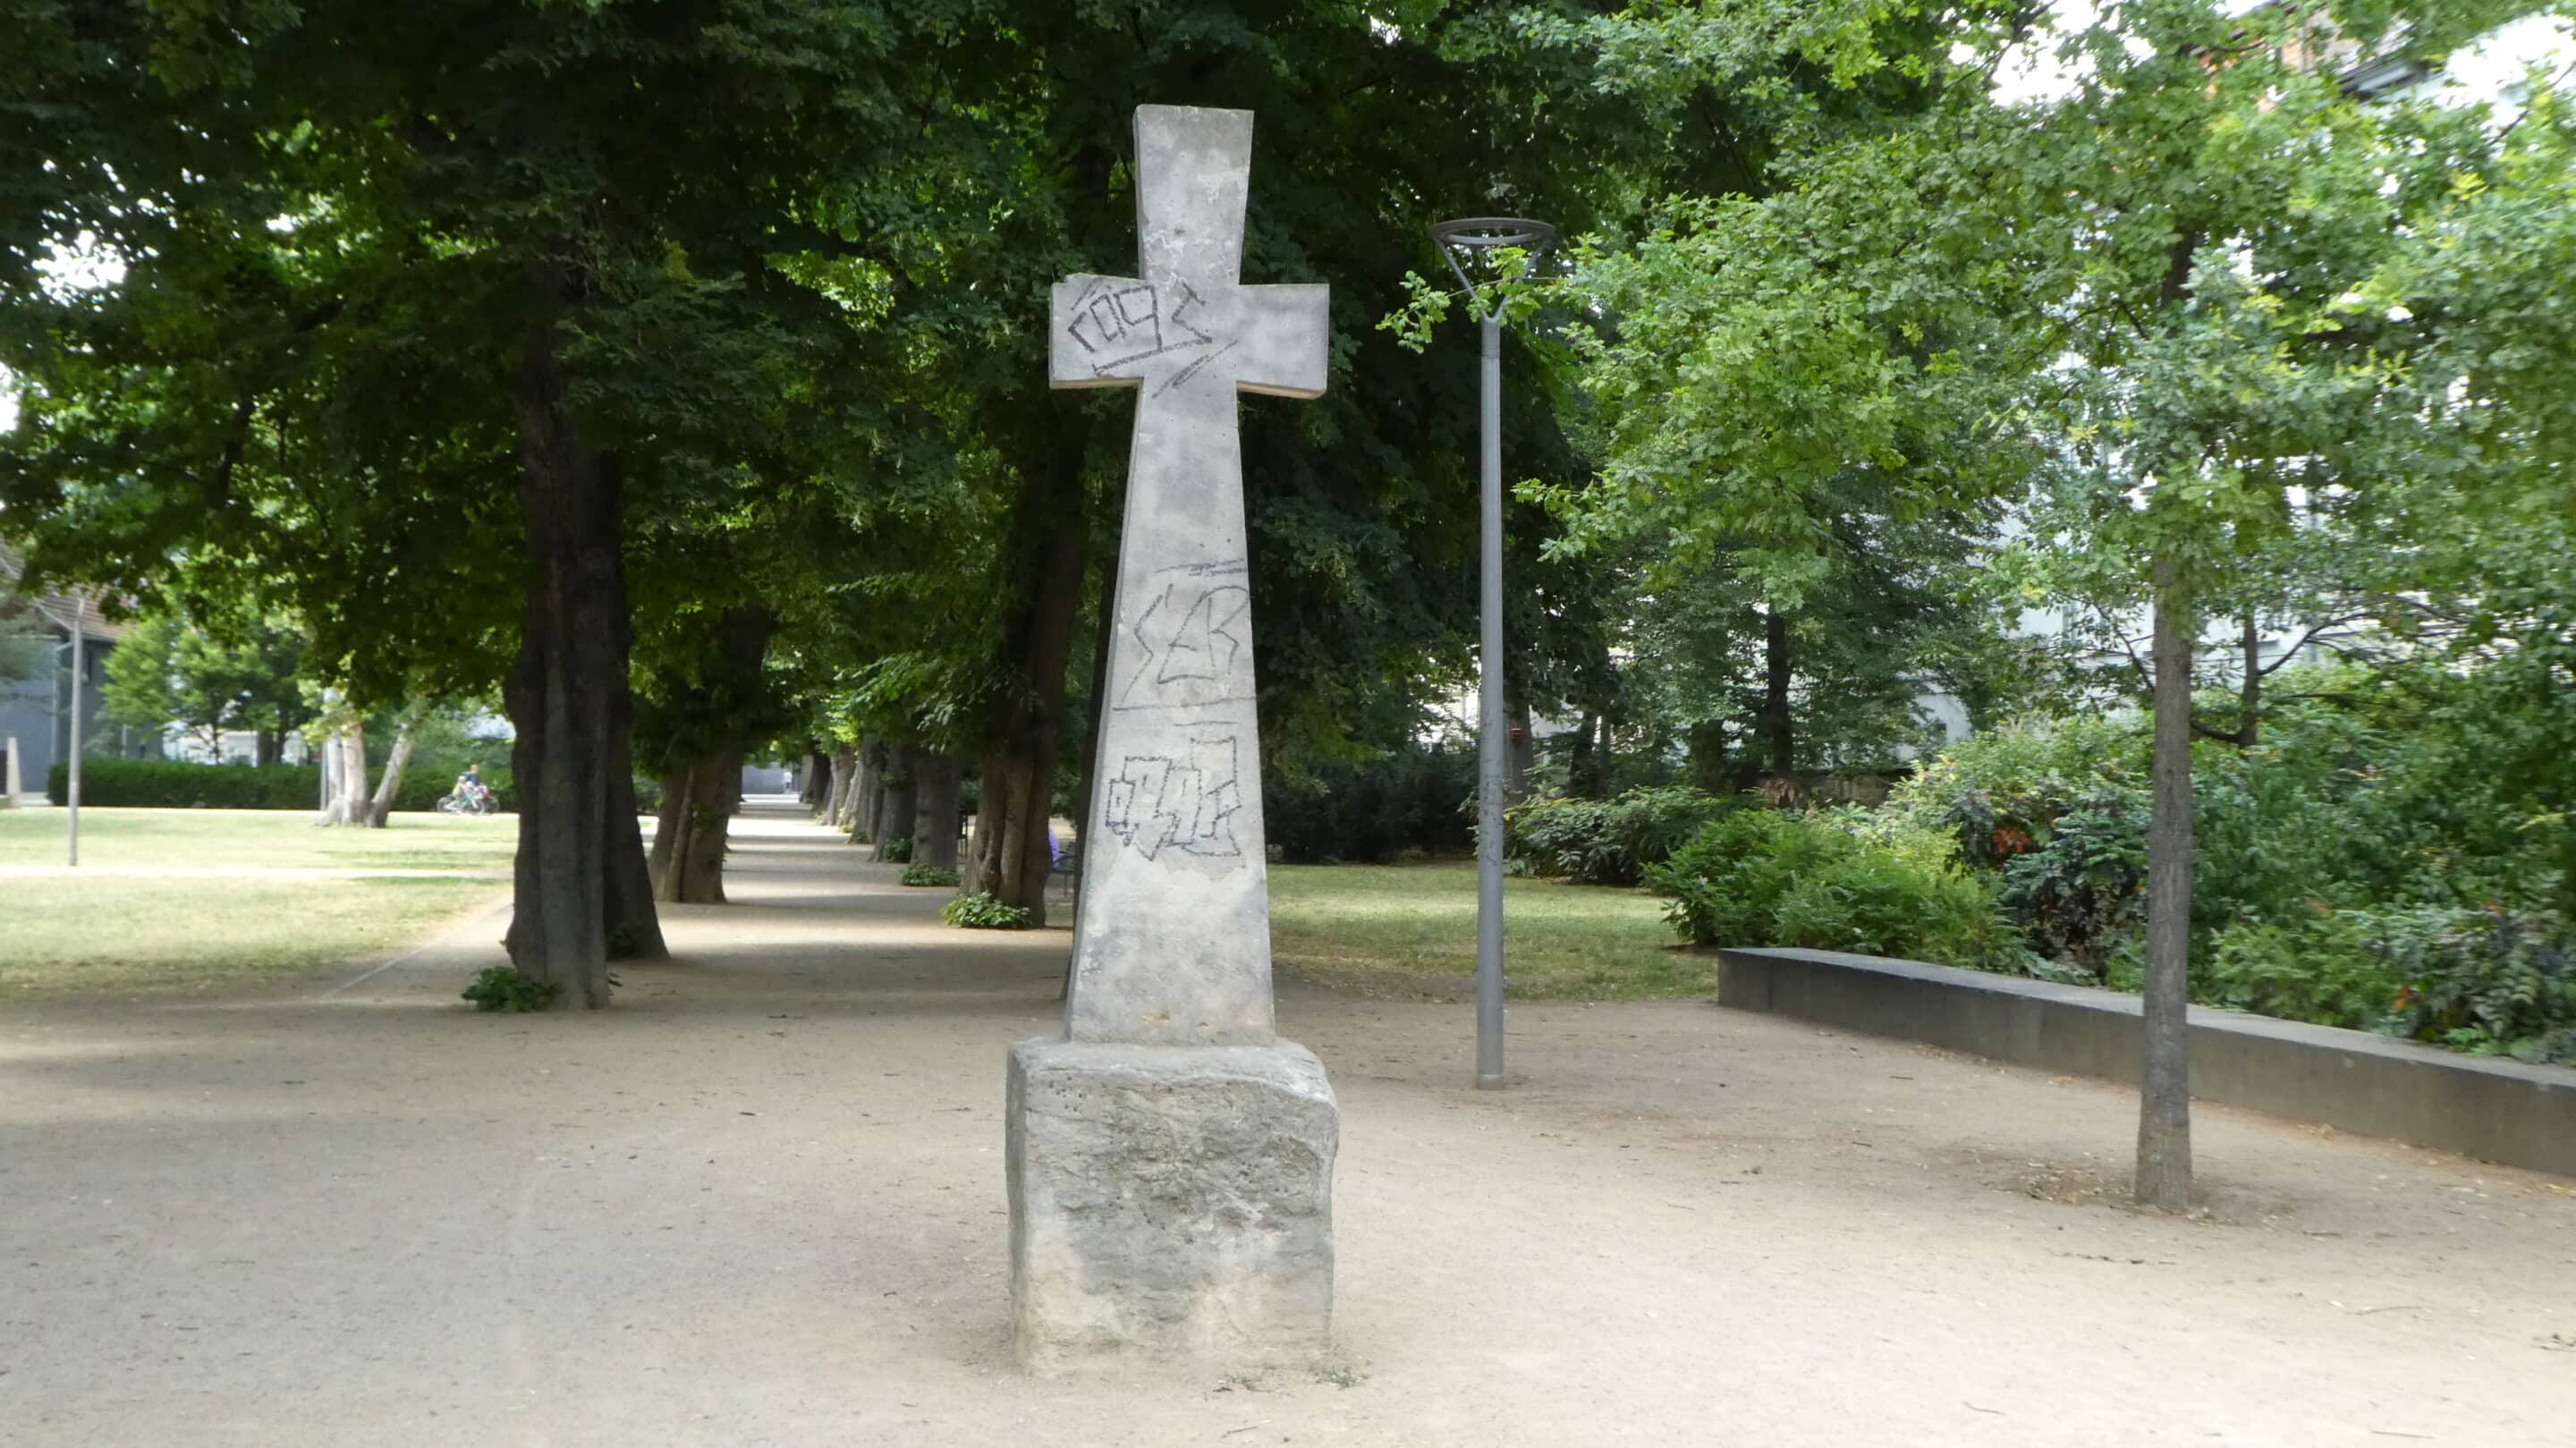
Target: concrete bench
<point>2481,1106</point>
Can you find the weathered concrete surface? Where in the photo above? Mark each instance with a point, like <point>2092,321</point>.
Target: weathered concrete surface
<point>1172,937</point>
<point>1170,1202</point>
<point>2495,1110</point>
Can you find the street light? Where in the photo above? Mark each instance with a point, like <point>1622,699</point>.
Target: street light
<point>1469,236</point>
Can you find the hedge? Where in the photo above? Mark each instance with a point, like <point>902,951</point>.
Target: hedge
<point>177,784</point>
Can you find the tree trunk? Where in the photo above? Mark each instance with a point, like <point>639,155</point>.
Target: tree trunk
<point>899,802</point>
<point>267,745</point>
<point>1046,547</point>
<point>1105,575</point>
<point>1604,754</point>
<point>871,789</point>
<point>2164,1096</point>
<point>699,800</point>
<point>836,801</point>
<point>983,873</point>
<point>580,869</point>
<point>1579,777</point>
<point>818,775</point>
<point>349,781</point>
<point>936,782</point>
<point>2249,694</point>
<point>1779,728</point>
<point>1520,751</point>
<point>702,788</point>
<point>394,765</point>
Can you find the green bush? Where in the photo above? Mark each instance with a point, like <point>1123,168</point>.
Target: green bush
<point>1726,885</point>
<point>896,851</point>
<point>2078,895</point>
<point>980,911</point>
<point>1605,842</point>
<point>2489,980</point>
<point>929,875</point>
<point>2333,968</point>
<point>1831,880</point>
<point>1875,901</point>
<point>506,988</point>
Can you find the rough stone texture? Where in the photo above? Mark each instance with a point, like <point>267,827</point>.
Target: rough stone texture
<point>2498,1110</point>
<point>1172,940</point>
<point>1170,1202</point>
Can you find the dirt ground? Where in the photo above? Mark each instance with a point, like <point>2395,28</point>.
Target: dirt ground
<point>760,1202</point>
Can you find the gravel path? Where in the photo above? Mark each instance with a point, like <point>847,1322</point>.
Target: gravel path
<point>760,1202</point>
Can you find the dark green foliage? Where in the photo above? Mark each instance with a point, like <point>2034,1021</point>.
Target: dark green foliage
<point>897,850</point>
<point>2079,894</point>
<point>1605,842</point>
<point>505,988</point>
<point>930,876</point>
<point>1410,801</point>
<point>2490,980</point>
<point>980,911</point>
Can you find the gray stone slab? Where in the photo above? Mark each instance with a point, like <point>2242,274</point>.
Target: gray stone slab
<point>1170,1202</point>
<point>2496,1110</point>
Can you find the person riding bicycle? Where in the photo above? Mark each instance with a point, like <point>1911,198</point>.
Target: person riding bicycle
<point>470,786</point>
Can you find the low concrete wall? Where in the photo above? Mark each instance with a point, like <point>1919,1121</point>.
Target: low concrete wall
<point>2480,1106</point>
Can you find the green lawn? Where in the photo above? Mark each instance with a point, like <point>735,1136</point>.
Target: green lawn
<point>120,934</point>
<point>259,838</point>
<point>1411,929</point>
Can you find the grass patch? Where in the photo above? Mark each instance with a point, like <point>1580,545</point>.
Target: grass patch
<point>113,935</point>
<point>1412,928</point>
<point>155,838</point>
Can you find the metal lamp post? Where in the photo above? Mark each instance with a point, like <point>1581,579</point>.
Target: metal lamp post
<point>1470,235</point>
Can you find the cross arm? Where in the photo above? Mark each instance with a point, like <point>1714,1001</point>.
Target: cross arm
<point>1283,351</point>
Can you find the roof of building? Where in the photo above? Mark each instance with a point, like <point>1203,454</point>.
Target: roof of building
<point>64,609</point>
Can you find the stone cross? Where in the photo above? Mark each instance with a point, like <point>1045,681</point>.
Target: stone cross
<point>1171,940</point>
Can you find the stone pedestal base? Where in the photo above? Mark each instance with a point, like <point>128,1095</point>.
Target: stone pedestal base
<point>1170,1203</point>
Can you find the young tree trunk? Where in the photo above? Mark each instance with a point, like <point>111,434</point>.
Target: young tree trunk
<point>1520,751</point>
<point>983,872</point>
<point>2164,1095</point>
<point>870,797</point>
<point>1779,727</point>
<point>395,762</point>
<point>1604,754</point>
<point>580,869</point>
<point>936,782</point>
<point>349,779</point>
<point>900,800</point>
<point>2249,694</point>
<point>267,745</point>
